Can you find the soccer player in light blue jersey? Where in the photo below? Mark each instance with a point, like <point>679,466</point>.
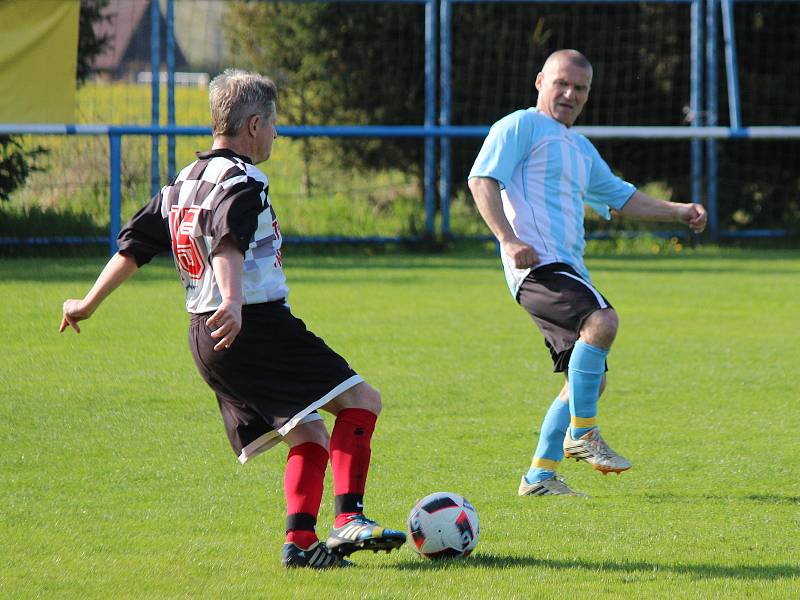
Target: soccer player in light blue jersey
<point>530,182</point>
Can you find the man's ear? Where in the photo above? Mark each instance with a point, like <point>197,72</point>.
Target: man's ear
<point>252,124</point>
<point>539,79</point>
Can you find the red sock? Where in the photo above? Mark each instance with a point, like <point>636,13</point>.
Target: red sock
<point>350,455</point>
<point>302,485</point>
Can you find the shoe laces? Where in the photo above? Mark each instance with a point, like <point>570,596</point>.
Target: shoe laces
<point>562,481</point>
<point>601,447</point>
<point>361,520</point>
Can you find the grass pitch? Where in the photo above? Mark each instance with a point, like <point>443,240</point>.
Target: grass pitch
<point>116,479</point>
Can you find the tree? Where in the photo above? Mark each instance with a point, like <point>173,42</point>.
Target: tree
<point>90,44</point>
<point>339,64</point>
<point>16,163</point>
<point>354,63</point>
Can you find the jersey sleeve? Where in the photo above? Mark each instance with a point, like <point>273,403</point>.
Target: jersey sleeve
<point>510,139</point>
<point>146,234</point>
<point>236,214</point>
<point>605,189</point>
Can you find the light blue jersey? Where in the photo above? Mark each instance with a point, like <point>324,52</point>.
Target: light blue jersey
<point>546,173</point>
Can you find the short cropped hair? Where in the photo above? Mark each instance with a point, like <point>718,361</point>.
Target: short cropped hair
<point>572,56</point>
<point>235,95</point>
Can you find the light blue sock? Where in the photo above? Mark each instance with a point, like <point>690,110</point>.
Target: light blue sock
<point>550,448</point>
<point>587,365</point>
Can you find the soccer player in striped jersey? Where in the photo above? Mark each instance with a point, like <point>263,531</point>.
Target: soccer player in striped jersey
<point>530,181</point>
<point>269,373</point>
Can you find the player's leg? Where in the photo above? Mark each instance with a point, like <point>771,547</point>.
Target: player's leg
<point>303,484</point>
<point>587,365</point>
<point>573,316</point>
<point>268,393</point>
<point>356,413</point>
<point>541,479</point>
<point>303,481</point>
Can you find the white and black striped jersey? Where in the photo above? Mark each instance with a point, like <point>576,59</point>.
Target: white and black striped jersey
<point>221,193</point>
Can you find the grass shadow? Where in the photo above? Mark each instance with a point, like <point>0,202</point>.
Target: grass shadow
<point>695,571</point>
<point>756,498</point>
<point>721,261</point>
<point>60,267</point>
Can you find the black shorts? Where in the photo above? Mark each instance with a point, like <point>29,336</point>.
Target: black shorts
<point>275,375</point>
<point>559,300</point>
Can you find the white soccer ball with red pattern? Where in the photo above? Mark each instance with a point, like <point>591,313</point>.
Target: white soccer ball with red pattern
<point>443,525</point>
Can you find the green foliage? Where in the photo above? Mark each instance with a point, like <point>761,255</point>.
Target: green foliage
<point>16,164</point>
<point>117,479</point>
<point>362,64</point>
<point>90,44</point>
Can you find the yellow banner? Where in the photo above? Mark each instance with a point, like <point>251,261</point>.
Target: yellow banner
<point>38,58</point>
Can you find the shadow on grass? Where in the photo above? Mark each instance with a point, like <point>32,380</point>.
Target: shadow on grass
<point>724,261</point>
<point>322,268</point>
<point>76,269</point>
<point>320,264</point>
<point>696,571</point>
<point>757,498</point>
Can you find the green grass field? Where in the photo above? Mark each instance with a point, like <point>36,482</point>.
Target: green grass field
<point>116,479</point>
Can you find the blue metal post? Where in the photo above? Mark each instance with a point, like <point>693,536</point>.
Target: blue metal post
<point>170,86</point>
<point>712,106</point>
<point>445,75</point>
<point>731,63</point>
<point>696,97</point>
<point>430,115</point>
<point>155,69</point>
<point>115,200</point>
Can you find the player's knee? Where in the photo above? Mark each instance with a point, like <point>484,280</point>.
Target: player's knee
<point>311,432</point>
<point>608,321</point>
<point>369,399</point>
<point>600,328</point>
<point>362,396</point>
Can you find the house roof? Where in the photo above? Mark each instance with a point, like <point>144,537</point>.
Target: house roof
<point>124,18</point>
<point>128,24</point>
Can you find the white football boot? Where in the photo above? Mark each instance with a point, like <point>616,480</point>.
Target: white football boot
<point>552,486</point>
<point>592,448</point>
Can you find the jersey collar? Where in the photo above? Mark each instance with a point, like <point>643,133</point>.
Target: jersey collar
<point>226,152</point>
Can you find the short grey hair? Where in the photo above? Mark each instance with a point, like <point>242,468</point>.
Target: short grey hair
<point>235,95</point>
<point>572,56</point>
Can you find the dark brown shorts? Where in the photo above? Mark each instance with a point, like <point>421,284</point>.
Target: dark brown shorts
<point>275,375</point>
<point>559,300</point>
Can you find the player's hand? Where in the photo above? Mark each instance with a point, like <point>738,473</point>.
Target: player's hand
<point>226,323</point>
<point>522,255</point>
<point>73,311</point>
<point>695,216</point>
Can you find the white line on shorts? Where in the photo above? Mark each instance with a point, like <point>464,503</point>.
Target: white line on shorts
<point>597,295</point>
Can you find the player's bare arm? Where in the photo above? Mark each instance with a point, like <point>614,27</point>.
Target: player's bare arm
<point>118,269</point>
<point>486,193</point>
<point>228,262</point>
<point>643,206</point>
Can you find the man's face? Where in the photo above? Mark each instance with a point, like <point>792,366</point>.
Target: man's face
<point>563,90</point>
<point>266,132</point>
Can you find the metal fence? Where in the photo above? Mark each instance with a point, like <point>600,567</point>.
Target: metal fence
<point>702,130</point>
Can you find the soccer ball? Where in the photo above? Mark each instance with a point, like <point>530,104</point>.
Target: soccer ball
<point>443,525</point>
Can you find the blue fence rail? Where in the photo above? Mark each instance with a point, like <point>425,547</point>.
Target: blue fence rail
<point>116,133</point>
